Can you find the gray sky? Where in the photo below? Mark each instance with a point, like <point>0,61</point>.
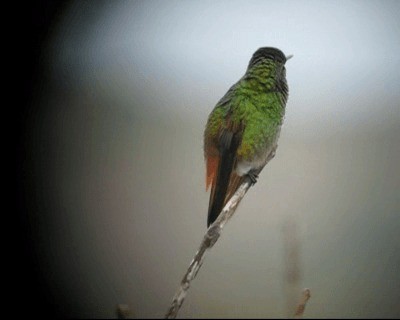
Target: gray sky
<point>345,72</point>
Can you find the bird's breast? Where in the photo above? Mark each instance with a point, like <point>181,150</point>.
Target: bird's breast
<point>259,160</point>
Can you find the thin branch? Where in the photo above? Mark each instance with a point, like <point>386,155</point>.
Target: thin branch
<point>302,304</point>
<point>210,238</point>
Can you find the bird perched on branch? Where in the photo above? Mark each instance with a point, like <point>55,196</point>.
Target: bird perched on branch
<point>242,130</point>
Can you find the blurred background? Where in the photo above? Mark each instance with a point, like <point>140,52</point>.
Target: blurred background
<point>112,175</point>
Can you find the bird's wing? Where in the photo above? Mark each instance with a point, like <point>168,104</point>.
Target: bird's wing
<point>221,170</point>
<point>221,156</point>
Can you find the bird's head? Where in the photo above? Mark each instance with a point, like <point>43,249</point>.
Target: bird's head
<point>269,53</point>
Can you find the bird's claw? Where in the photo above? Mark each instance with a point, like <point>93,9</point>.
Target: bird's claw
<point>253,177</point>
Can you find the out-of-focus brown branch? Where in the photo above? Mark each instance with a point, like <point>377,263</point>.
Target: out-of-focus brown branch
<point>124,312</point>
<point>302,303</point>
<point>292,266</point>
<point>210,238</point>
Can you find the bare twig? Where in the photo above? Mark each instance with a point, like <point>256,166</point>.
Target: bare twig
<point>210,238</point>
<point>302,303</point>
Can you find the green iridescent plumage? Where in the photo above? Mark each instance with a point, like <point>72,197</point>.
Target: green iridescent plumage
<point>254,103</point>
<point>242,130</point>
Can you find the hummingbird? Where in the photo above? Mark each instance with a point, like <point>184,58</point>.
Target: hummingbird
<point>242,130</point>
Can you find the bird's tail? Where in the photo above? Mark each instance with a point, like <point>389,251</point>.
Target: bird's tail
<point>222,184</point>
<point>226,185</point>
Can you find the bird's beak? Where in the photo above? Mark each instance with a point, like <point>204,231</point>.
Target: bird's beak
<point>289,57</point>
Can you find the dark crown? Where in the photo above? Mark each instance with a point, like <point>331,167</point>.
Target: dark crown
<point>269,53</point>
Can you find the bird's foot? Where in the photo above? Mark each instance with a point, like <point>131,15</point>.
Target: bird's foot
<point>253,177</point>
